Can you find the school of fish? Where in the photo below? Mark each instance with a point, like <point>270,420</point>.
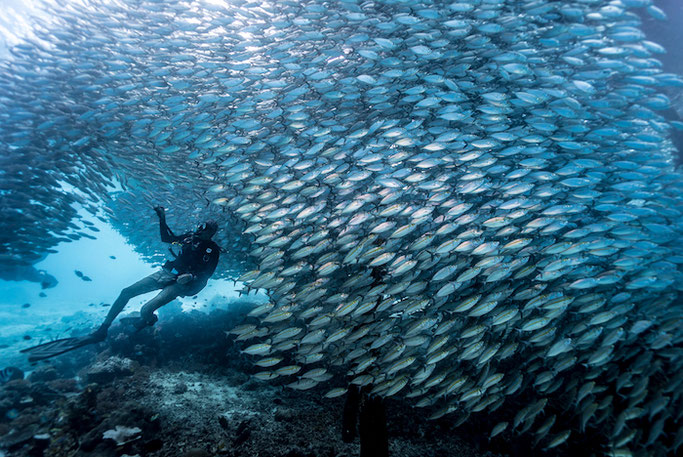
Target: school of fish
<point>458,203</point>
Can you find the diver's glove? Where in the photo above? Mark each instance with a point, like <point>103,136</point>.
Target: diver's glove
<point>184,278</point>
<point>161,212</point>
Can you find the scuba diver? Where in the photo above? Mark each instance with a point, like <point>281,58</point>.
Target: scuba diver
<point>183,276</point>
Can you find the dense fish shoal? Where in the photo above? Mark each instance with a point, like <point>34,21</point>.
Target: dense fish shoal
<point>467,205</point>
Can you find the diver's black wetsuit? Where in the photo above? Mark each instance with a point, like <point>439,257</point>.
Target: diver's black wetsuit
<point>197,256</point>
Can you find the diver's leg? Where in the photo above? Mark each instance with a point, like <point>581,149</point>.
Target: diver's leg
<point>167,295</point>
<point>152,282</point>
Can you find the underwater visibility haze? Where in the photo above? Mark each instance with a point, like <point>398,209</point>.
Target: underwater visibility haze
<point>459,223</point>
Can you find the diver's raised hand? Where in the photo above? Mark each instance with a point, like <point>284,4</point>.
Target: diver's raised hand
<point>161,211</point>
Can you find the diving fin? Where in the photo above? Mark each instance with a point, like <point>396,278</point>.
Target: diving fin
<point>56,347</point>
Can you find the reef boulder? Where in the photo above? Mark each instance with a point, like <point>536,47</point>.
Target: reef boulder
<point>107,370</point>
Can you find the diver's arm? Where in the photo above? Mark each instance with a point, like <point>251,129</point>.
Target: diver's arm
<point>167,236</point>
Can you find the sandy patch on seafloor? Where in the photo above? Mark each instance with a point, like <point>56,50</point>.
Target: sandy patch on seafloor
<point>206,396</point>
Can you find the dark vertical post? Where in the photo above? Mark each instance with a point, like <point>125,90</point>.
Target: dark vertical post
<point>350,414</point>
<point>374,439</point>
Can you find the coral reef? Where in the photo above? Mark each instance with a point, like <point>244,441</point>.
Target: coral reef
<point>183,389</point>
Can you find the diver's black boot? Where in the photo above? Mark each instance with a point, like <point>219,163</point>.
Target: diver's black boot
<point>374,439</point>
<point>140,322</point>
<point>350,414</point>
<point>144,322</point>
